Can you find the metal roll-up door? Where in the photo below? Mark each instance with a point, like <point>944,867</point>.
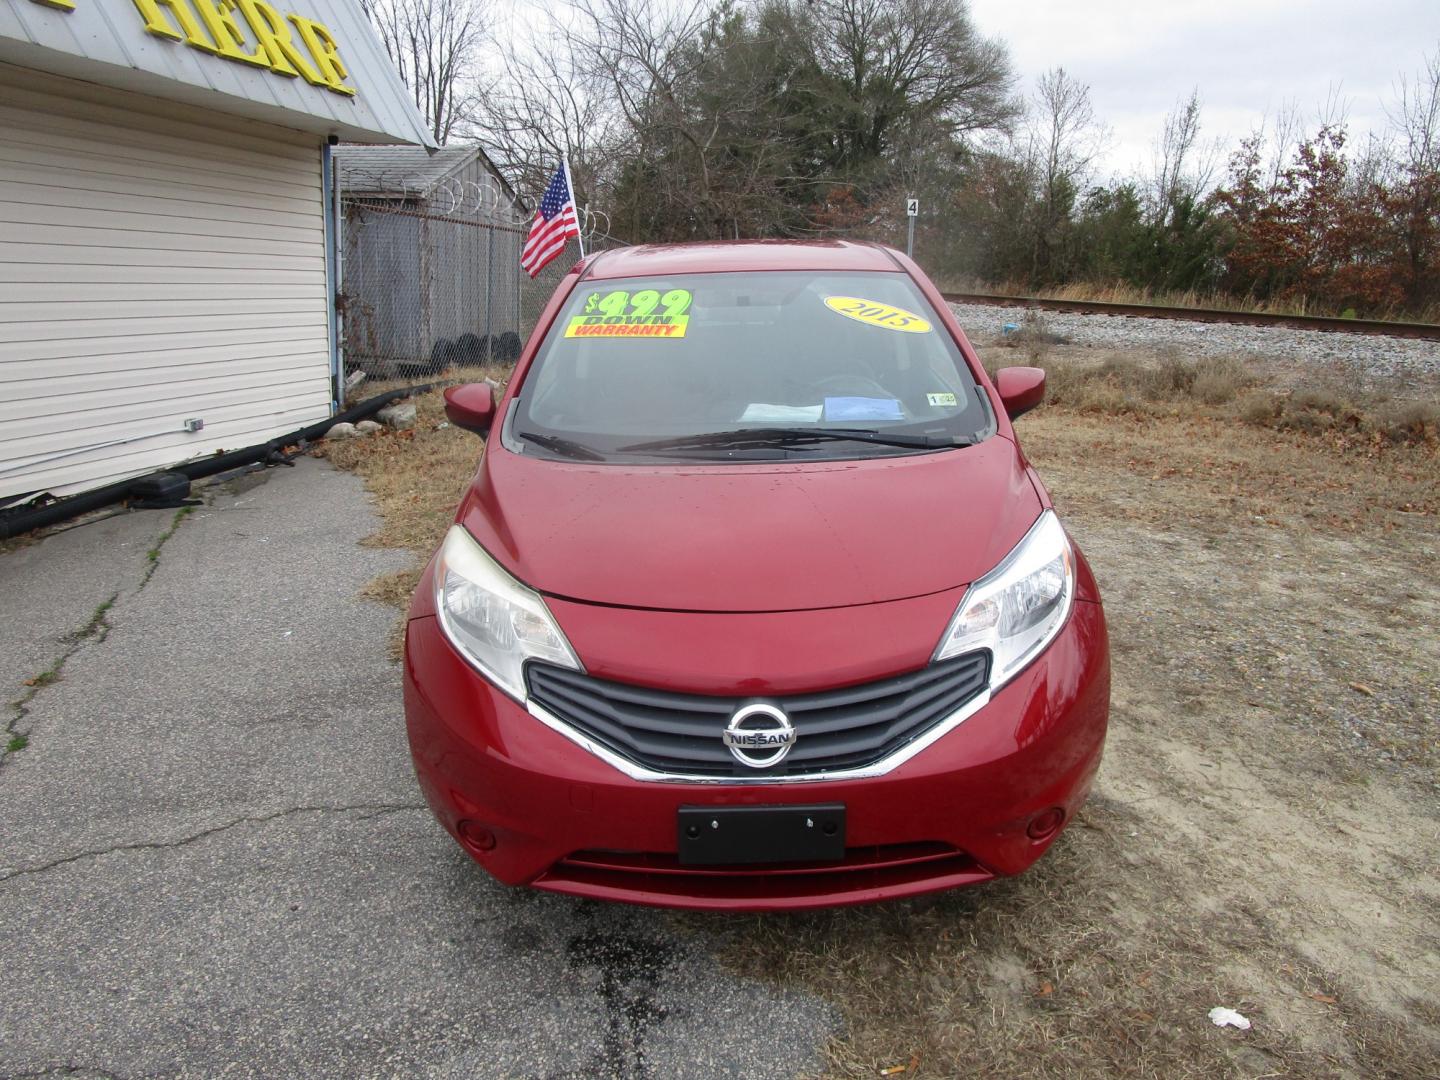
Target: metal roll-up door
<point>158,264</point>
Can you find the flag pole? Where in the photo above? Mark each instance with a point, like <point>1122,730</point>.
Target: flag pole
<point>580,225</point>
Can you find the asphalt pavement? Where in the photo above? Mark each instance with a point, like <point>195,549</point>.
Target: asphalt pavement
<point>215,861</point>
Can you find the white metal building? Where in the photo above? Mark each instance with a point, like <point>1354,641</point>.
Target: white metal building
<point>167,226</point>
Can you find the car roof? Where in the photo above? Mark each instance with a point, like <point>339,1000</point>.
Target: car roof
<point>732,255</point>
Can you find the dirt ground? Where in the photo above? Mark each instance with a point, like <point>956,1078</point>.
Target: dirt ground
<point>1265,831</point>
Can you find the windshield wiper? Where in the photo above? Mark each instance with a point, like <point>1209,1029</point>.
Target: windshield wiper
<point>564,447</point>
<point>771,435</point>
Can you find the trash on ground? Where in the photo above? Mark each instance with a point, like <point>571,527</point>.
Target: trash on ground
<point>1223,1017</point>
<point>895,1070</point>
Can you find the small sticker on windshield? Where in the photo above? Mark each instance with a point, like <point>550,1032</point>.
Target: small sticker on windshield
<point>645,313</point>
<point>940,399</point>
<point>874,313</point>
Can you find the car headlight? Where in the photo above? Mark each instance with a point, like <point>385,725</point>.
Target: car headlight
<point>1018,607</point>
<point>495,622</point>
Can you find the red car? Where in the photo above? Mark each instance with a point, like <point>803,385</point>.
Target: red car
<point>754,602</point>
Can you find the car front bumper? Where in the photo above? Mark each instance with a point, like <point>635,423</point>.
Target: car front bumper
<point>961,811</point>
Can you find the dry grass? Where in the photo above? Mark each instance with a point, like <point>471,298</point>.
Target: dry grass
<point>1120,293</point>
<point>1098,963</point>
<point>416,476</point>
<point>1263,834</point>
<point>1227,388</point>
<point>1195,877</point>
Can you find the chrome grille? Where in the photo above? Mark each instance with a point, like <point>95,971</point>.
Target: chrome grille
<point>836,729</point>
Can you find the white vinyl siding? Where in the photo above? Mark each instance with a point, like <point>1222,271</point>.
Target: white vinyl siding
<point>157,263</point>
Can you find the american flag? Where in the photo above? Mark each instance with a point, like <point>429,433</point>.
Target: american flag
<point>555,222</point>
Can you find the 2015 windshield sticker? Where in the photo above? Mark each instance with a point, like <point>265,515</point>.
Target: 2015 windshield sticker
<point>874,313</point>
<point>644,314</point>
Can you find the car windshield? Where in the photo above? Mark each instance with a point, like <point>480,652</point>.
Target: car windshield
<point>746,366</point>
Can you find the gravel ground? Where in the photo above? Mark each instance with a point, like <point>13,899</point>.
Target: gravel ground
<point>1374,358</point>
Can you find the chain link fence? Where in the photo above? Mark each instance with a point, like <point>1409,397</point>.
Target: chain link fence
<point>431,276</point>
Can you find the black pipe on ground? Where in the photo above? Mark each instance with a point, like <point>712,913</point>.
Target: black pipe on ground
<point>24,519</point>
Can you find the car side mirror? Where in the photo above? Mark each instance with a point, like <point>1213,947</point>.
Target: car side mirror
<point>1021,389</point>
<point>471,406</point>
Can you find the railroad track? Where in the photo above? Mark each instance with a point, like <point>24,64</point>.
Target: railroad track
<point>1428,331</point>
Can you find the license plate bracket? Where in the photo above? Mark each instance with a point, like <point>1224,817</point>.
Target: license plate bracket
<point>739,835</point>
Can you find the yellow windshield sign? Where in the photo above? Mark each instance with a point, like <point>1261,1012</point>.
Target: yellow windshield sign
<point>874,313</point>
<point>628,326</point>
<point>643,314</point>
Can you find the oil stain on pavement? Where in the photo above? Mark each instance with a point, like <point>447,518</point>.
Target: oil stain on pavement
<point>630,969</point>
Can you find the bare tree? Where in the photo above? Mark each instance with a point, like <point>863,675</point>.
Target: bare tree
<point>692,86</point>
<point>1286,136</point>
<point>1414,189</point>
<point>435,45</point>
<point>1416,117</point>
<point>1184,166</point>
<point>1334,111</point>
<point>545,103</point>
<point>1065,137</point>
<point>1061,142</point>
<point>698,118</point>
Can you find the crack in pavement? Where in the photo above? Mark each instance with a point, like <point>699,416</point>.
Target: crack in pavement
<point>377,809</point>
<point>153,555</point>
<point>94,632</point>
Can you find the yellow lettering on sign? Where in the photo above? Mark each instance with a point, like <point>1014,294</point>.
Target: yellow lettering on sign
<point>628,326</point>
<point>63,5</point>
<point>326,53</point>
<point>219,19</point>
<point>156,23</point>
<point>221,34</point>
<point>273,33</point>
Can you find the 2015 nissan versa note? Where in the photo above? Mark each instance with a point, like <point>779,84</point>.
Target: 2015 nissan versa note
<point>754,602</point>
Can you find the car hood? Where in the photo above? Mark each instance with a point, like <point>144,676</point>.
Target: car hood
<point>756,537</point>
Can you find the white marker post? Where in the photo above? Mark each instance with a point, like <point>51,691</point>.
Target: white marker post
<point>912,210</point>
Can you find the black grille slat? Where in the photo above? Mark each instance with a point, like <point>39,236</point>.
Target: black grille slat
<point>898,686</point>
<point>677,732</point>
<point>641,745</point>
<point>639,695</point>
<point>653,721</point>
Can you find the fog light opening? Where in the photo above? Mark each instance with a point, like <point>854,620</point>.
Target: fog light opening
<point>1045,824</point>
<point>476,835</point>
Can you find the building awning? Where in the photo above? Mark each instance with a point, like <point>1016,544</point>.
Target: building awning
<point>309,65</point>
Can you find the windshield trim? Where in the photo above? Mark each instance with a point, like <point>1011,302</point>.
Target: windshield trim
<point>691,457</point>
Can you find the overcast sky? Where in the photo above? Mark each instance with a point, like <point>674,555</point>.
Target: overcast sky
<point>1246,57</point>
